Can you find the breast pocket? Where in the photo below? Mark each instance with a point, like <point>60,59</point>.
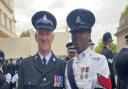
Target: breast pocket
<point>85,83</point>
<point>31,83</point>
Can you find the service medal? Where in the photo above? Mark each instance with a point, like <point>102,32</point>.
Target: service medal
<point>81,76</point>
<point>86,76</point>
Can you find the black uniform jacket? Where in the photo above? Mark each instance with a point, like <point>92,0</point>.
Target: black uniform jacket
<point>34,75</point>
<point>109,55</point>
<point>121,65</point>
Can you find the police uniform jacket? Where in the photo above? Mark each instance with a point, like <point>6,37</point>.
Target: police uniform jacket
<point>94,64</point>
<point>34,75</point>
<point>109,55</point>
<point>3,83</point>
<point>121,65</point>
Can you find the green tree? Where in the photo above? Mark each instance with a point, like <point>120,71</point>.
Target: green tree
<point>25,34</point>
<point>99,47</point>
<point>125,12</point>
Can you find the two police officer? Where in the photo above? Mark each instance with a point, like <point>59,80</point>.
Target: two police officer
<point>84,71</point>
<point>43,70</point>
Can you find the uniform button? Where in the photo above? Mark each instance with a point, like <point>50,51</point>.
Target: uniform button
<point>83,55</point>
<point>44,79</point>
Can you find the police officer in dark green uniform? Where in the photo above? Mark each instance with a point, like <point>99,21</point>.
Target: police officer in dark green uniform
<point>43,70</point>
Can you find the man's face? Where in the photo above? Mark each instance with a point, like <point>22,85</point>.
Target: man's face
<point>44,39</point>
<point>71,54</point>
<point>80,40</point>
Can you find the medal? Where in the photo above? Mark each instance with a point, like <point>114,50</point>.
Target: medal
<point>86,73</point>
<point>86,76</point>
<point>58,84</point>
<point>55,81</point>
<point>81,76</point>
<point>61,81</point>
<point>87,69</point>
<point>82,71</point>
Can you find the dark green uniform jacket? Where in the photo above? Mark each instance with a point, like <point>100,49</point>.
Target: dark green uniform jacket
<point>34,75</point>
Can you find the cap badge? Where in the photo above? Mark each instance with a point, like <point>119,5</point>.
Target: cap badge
<point>78,19</point>
<point>45,20</point>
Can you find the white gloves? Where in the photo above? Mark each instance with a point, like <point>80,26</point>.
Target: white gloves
<point>14,78</point>
<point>8,77</point>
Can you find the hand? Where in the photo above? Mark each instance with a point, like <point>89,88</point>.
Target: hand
<point>14,78</point>
<point>8,77</point>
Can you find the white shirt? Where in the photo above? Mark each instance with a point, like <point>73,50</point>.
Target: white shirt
<point>47,57</point>
<point>93,63</point>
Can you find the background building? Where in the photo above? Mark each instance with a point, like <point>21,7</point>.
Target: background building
<point>25,46</point>
<point>7,19</point>
<point>122,30</point>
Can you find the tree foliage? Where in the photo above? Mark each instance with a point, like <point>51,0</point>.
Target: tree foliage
<point>99,47</point>
<point>125,12</point>
<point>25,34</point>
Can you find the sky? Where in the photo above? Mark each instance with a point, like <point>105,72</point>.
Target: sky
<point>107,13</point>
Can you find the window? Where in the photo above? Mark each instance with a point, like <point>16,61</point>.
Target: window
<point>5,20</point>
<point>0,16</point>
<point>10,24</point>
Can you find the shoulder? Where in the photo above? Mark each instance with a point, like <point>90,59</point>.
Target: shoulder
<point>97,56</point>
<point>59,60</point>
<point>27,59</point>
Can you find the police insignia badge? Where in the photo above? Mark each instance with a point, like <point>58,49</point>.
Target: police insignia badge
<point>78,20</point>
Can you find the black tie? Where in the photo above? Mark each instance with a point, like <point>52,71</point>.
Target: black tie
<point>44,61</point>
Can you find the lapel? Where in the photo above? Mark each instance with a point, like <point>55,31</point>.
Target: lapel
<point>51,66</point>
<point>38,63</point>
<point>41,68</point>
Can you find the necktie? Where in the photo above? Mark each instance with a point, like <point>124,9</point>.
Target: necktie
<point>44,61</point>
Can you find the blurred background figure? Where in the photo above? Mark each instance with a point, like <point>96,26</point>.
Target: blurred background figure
<point>71,51</point>
<point>91,44</point>
<point>107,52</point>
<point>11,70</point>
<point>18,62</point>
<point>121,66</point>
<point>5,79</point>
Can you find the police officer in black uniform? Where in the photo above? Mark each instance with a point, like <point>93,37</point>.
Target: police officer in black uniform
<point>71,51</point>
<point>4,79</point>
<point>43,70</point>
<point>121,65</point>
<point>106,51</point>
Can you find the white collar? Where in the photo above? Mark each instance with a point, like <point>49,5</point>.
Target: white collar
<point>47,57</point>
<point>84,53</point>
